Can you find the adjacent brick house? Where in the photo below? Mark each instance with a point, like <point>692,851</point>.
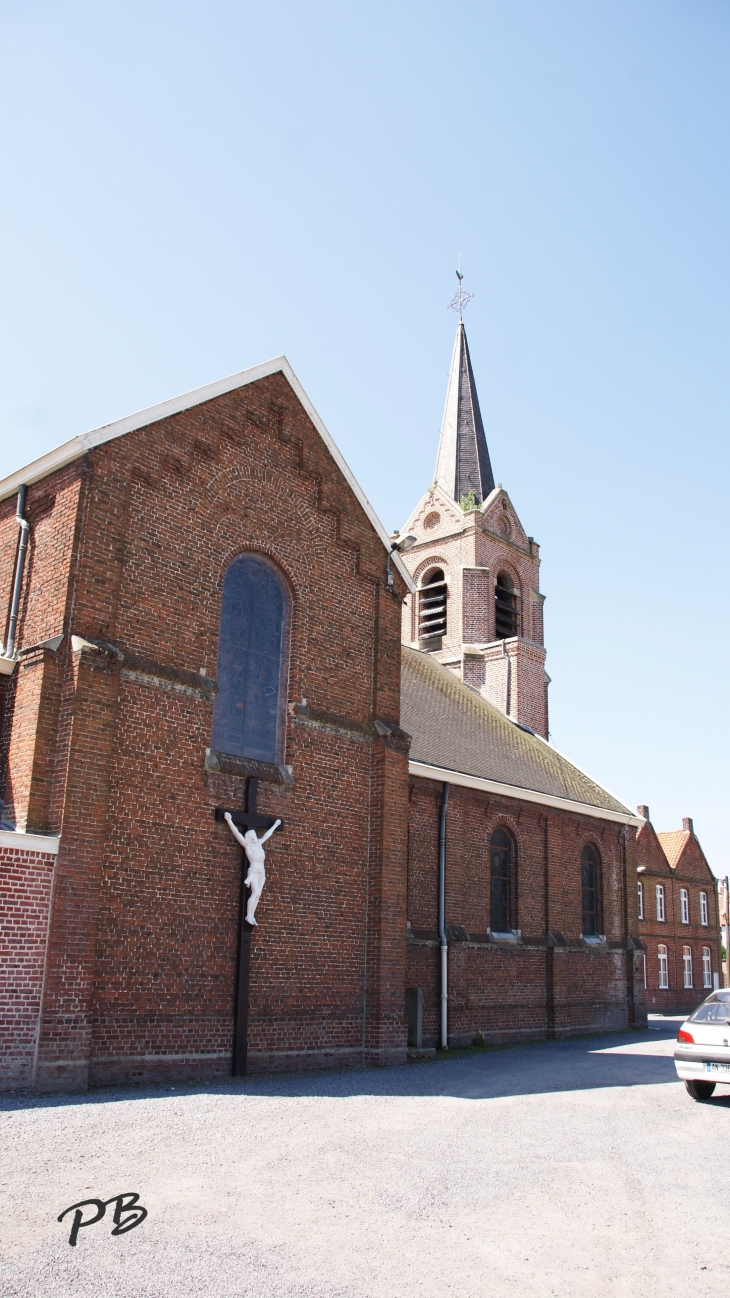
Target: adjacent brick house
<point>678,918</point>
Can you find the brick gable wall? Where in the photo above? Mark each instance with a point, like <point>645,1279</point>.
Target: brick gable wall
<point>143,930</point>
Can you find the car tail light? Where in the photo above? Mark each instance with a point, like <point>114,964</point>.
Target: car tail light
<point>686,1037</point>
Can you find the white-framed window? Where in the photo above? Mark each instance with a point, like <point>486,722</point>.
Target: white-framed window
<point>643,968</point>
<point>687,965</point>
<point>641,900</point>
<point>704,919</point>
<point>660,906</point>
<point>663,967</point>
<point>684,905</point>
<point>706,967</point>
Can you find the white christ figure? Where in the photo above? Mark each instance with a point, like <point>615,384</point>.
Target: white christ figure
<point>256,856</point>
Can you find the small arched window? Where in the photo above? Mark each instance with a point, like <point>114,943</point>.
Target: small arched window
<point>432,610</point>
<point>687,965</point>
<point>506,601</point>
<point>706,967</point>
<point>251,675</point>
<point>502,877</point>
<point>590,886</point>
<point>663,967</point>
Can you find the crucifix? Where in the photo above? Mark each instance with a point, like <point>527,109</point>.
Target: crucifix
<point>252,882</point>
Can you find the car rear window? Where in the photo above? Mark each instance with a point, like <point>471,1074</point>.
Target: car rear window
<point>716,1009</point>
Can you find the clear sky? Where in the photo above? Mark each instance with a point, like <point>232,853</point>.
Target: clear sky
<point>191,188</point>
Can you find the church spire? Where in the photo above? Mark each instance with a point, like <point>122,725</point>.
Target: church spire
<point>462,463</point>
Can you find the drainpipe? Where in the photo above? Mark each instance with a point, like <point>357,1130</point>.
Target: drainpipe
<point>442,922</point>
<point>24,526</point>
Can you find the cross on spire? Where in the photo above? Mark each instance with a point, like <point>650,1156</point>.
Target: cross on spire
<point>461,297</point>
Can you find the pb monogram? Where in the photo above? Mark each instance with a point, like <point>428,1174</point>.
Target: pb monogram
<point>127,1214</point>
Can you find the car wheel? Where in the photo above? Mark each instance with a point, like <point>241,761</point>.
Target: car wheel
<point>700,1090</point>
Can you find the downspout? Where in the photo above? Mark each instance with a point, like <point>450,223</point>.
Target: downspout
<point>442,922</point>
<point>24,526</point>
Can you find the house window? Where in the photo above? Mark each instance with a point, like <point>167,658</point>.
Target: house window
<point>660,902</point>
<point>684,905</point>
<point>501,868</point>
<point>687,965</point>
<point>506,600</point>
<point>703,913</point>
<point>251,674</point>
<point>706,967</point>
<point>589,878</point>
<point>663,967</point>
<point>643,968</point>
<point>641,900</point>
<point>432,610</point>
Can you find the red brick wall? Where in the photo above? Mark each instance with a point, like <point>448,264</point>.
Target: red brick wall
<point>551,983</point>
<point>142,941</point>
<point>25,893</point>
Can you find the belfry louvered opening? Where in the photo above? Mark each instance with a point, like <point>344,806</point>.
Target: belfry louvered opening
<point>506,602</point>
<point>432,610</point>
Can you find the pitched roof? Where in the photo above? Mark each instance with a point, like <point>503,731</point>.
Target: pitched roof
<point>78,446</point>
<point>457,732</point>
<point>673,842</point>
<point>462,462</point>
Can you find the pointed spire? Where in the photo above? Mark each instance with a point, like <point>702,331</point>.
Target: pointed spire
<point>462,463</point>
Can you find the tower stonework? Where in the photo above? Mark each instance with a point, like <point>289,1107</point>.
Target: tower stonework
<point>477,606</point>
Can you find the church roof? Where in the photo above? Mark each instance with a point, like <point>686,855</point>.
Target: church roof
<point>462,463</point>
<point>78,446</point>
<point>459,737</point>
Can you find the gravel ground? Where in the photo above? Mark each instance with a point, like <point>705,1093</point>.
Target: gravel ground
<point>572,1168</point>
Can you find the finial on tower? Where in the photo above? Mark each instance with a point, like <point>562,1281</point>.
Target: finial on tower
<point>461,297</point>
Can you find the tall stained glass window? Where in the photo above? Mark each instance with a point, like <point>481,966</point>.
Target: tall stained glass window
<point>501,860</point>
<point>251,674</point>
<point>590,887</point>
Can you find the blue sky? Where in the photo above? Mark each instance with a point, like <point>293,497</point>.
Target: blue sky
<point>191,188</point>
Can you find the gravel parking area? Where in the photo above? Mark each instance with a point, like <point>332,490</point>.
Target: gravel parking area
<point>572,1168</point>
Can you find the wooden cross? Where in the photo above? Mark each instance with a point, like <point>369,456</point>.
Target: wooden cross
<point>247,819</point>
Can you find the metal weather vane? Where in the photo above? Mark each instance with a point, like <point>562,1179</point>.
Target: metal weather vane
<point>461,297</point>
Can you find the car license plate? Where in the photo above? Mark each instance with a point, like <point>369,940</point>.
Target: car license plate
<point>718,1068</point>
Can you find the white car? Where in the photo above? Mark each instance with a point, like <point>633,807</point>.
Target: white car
<point>702,1057</point>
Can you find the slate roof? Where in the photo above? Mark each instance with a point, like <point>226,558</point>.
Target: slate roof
<point>453,727</point>
<point>462,462</point>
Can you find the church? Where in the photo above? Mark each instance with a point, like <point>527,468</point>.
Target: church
<point>209,630</point>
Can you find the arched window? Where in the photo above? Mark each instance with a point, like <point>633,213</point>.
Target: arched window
<point>502,878</point>
<point>703,908</point>
<point>641,900</point>
<point>663,967</point>
<point>706,967</point>
<point>687,965</point>
<point>590,885</point>
<point>684,905</point>
<point>432,610</point>
<point>660,903</point>
<point>251,675</point>
<point>506,601</point>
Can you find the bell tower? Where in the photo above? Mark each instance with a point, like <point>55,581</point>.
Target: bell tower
<point>478,606</point>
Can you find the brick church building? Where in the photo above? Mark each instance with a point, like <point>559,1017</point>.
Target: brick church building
<point>204,614</point>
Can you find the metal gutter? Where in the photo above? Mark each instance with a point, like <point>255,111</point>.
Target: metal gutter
<point>440,773</point>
